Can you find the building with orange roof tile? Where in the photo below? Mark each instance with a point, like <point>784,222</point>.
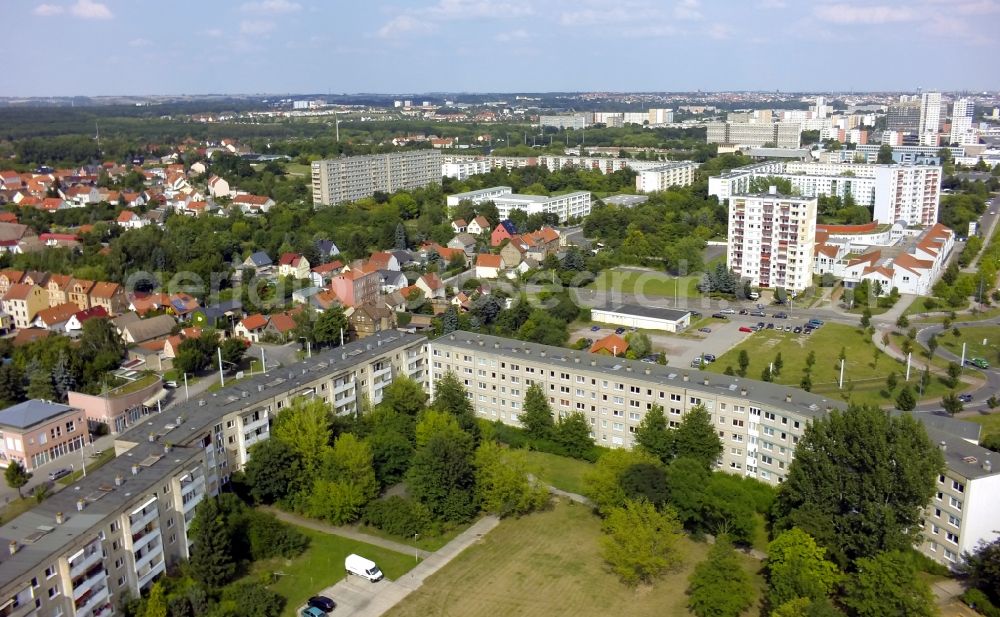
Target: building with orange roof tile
<point>488,266</point>
<point>610,345</point>
<point>23,302</point>
<point>251,327</point>
<point>110,296</point>
<point>79,293</point>
<point>294,265</point>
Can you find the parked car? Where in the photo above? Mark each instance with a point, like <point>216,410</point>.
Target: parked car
<point>788,328</point>
<point>365,568</point>
<point>754,295</point>
<point>781,315</point>
<point>696,363</point>
<point>758,314</point>
<point>770,325</point>
<point>815,323</point>
<point>746,329</point>
<point>706,330</point>
<point>760,325</point>
<point>595,328</point>
<point>695,314</point>
<point>744,312</point>
<point>170,384</point>
<point>728,311</point>
<point>807,330</point>
<point>709,357</point>
<point>59,473</point>
<point>980,363</point>
<point>718,316</point>
<point>797,329</point>
<point>619,330</point>
<point>323,603</point>
<point>965,398</point>
<point>312,611</point>
<point>760,306</point>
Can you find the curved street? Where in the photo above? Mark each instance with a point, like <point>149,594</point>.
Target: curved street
<point>992,385</point>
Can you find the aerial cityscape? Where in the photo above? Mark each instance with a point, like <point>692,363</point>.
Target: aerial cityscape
<point>457,307</point>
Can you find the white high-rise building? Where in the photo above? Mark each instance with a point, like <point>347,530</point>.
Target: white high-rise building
<point>962,114</point>
<point>349,178</point>
<point>772,238</point>
<point>821,108</point>
<point>930,118</point>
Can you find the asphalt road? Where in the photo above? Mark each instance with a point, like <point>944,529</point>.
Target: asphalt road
<point>988,389</point>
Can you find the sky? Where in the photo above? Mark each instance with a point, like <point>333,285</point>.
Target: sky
<point>119,47</point>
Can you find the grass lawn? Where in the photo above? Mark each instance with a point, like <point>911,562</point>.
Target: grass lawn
<point>973,338</point>
<point>299,169</point>
<point>322,565</point>
<point>133,386</point>
<point>646,283</point>
<point>561,472</point>
<point>867,375</point>
<point>547,564</point>
<point>919,306</point>
<point>427,543</point>
<point>990,422</point>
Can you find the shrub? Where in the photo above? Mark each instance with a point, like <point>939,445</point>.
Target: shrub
<point>269,537</point>
<point>397,516</point>
<point>978,600</point>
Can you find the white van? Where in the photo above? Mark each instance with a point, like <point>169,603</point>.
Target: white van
<point>365,568</point>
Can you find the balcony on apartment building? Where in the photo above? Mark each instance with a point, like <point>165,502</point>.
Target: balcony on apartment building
<point>93,603</point>
<point>86,557</point>
<point>145,537</point>
<point>139,519</point>
<point>88,582</point>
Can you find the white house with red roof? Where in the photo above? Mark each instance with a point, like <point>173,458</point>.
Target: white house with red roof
<point>253,204</point>
<point>431,285</point>
<point>478,225</point>
<point>294,265</point>
<point>130,220</point>
<point>488,266</point>
<point>912,265</point>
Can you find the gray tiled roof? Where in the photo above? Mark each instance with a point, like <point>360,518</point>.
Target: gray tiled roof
<point>29,413</point>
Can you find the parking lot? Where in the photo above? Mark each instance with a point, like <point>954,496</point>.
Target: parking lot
<point>682,348</point>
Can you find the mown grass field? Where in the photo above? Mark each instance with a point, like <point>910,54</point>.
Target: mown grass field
<point>990,422</point>
<point>561,472</point>
<point>864,376</point>
<point>548,564</point>
<point>322,565</point>
<point>650,283</point>
<point>973,338</point>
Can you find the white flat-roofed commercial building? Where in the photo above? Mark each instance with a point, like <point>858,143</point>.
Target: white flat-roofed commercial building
<point>643,317</point>
<point>759,423</point>
<point>567,206</point>
<point>665,176</point>
<point>778,134</point>
<point>772,239</point>
<point>350,178</point>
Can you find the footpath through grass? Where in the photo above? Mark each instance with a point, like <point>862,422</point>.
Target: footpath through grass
<point>562,472</point>
<point>320,566</point>
<point>865,370</point>
<point>649,283</point>
<point>546,564</point>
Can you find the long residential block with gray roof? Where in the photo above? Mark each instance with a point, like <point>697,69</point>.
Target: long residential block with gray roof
<point>759,423</point>
<point>113,532</point>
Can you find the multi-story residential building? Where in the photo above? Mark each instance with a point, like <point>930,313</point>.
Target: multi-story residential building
<point>779,134</point>
<point>565,206</point>
<point>357,287</point>
<point>736,181</point>
<point>680,173</point>
<point>355,177</point>
<point>930,118</point>
<point>35,432</point>
<point>567,121</point>
<point>759,423</point>
<point>83,549</point>
<point>962,113</point>
<point>462,169</point>
<point>910,193</point>
<point>904,117</point>
<point>772,238</point>
<point>23,302</point>
<point>919,155</point>
<point>661,116</point>
<point>452,165</point>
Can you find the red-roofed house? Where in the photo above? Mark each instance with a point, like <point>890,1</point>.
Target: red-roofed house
<point>75,323</point>
<point>431,285</point>
<point>23,302</point>
<point>253,204</point>
<point>459,226</point>
<point>251,327</point>
<point>478,225</point>
<point>503,231</point>
<point>131,220</point>
<point>294,265</point>
<point>488,266</point>
<point>280,325</point>
<point>384,261</point>
<point>612,345</point>
<point>323,273</point>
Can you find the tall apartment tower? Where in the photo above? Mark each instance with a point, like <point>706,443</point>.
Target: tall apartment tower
<point>962,113</point>
<point>821,109</point>
<point>350,178</point>
<point>772,239</point>
<point>930,118</point>
<point>904,117</point>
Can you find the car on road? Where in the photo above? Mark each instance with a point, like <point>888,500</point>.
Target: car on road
<point>760,306</point>
<point>992,212</point>
<point>744,312</point>
<point>651,358</point>
<point>595,328</point>
<point>169,384</point>
<point>728,311</point>
<point>980,363</point>
<point>965,398</point>
<point>59,473</point>
<point>709,357</point>
<point>323,603</point>
<point>781,315</point>
<point>619,330</point>
<point>797,330</point>
<point>758,314</point>
<point>706,330</point>
<point>770,325</point>
<point>746,329</point>
<point>718,316</point>
<point>754,295</point>
<point>312,611</point>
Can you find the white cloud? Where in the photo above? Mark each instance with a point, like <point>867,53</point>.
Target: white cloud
<point>425,19</point>
<point>140,42</point>
<point>250,26</point>
<point>272,6</point>
<point>88,9</point>
<point>688,10</point>
<point>47,10</point>
<point>849,14</point>
<point>513,35</point>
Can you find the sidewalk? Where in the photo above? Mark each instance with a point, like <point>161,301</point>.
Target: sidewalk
<point>349,532</point>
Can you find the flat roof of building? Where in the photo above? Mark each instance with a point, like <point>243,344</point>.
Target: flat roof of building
<point>651,312</point>
<point>626,201</point>
<point>29,413</point>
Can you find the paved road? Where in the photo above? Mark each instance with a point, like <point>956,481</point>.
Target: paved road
<point>988,389</point>
<point>987,223</point>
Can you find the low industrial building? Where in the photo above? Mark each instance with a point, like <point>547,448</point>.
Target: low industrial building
<point>643,317</point>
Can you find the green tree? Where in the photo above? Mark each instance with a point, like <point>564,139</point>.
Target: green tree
<point>866,317</point>
<point>796,567</point>
<point>273,471</point>
<point>604,482</point>
<point>982,567</point>
<point>156,603</point>
<point>766,374</point>
<point>932,344</point>
<point>744,362</point>
<point>687,479</point>
<point>543,328</point>
<point>639,344</point>
<point>404,396</point>
<point>329,326</point>
<point>806,383</point>
<point>884,155</point>
<point>40,386</point>
<point>888,584</point>
<point>233,350</point>
<point>536,417</point>
<point>212,563</point>
<point>572,432</point>
<point>696,437</point>
<point>305,428</point>
<point>449,321</point>
<point>16,476</point>
<point>442,477</point>
<point>502,483</point>
<point>347,482</point>
<point>810,359</point>
<point>954,372</point>
<point>249,599</point>
<point>891,381</point>
<point>719,586</point>
<point>450,396</point>
<point>778,363</point>
<point>905,401</point>
<point>433,422</point>
<point>639,542</point>
<point>859,481</point>
<point>951,403</point>
<point>392,442</point>
<point>654,435</point>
